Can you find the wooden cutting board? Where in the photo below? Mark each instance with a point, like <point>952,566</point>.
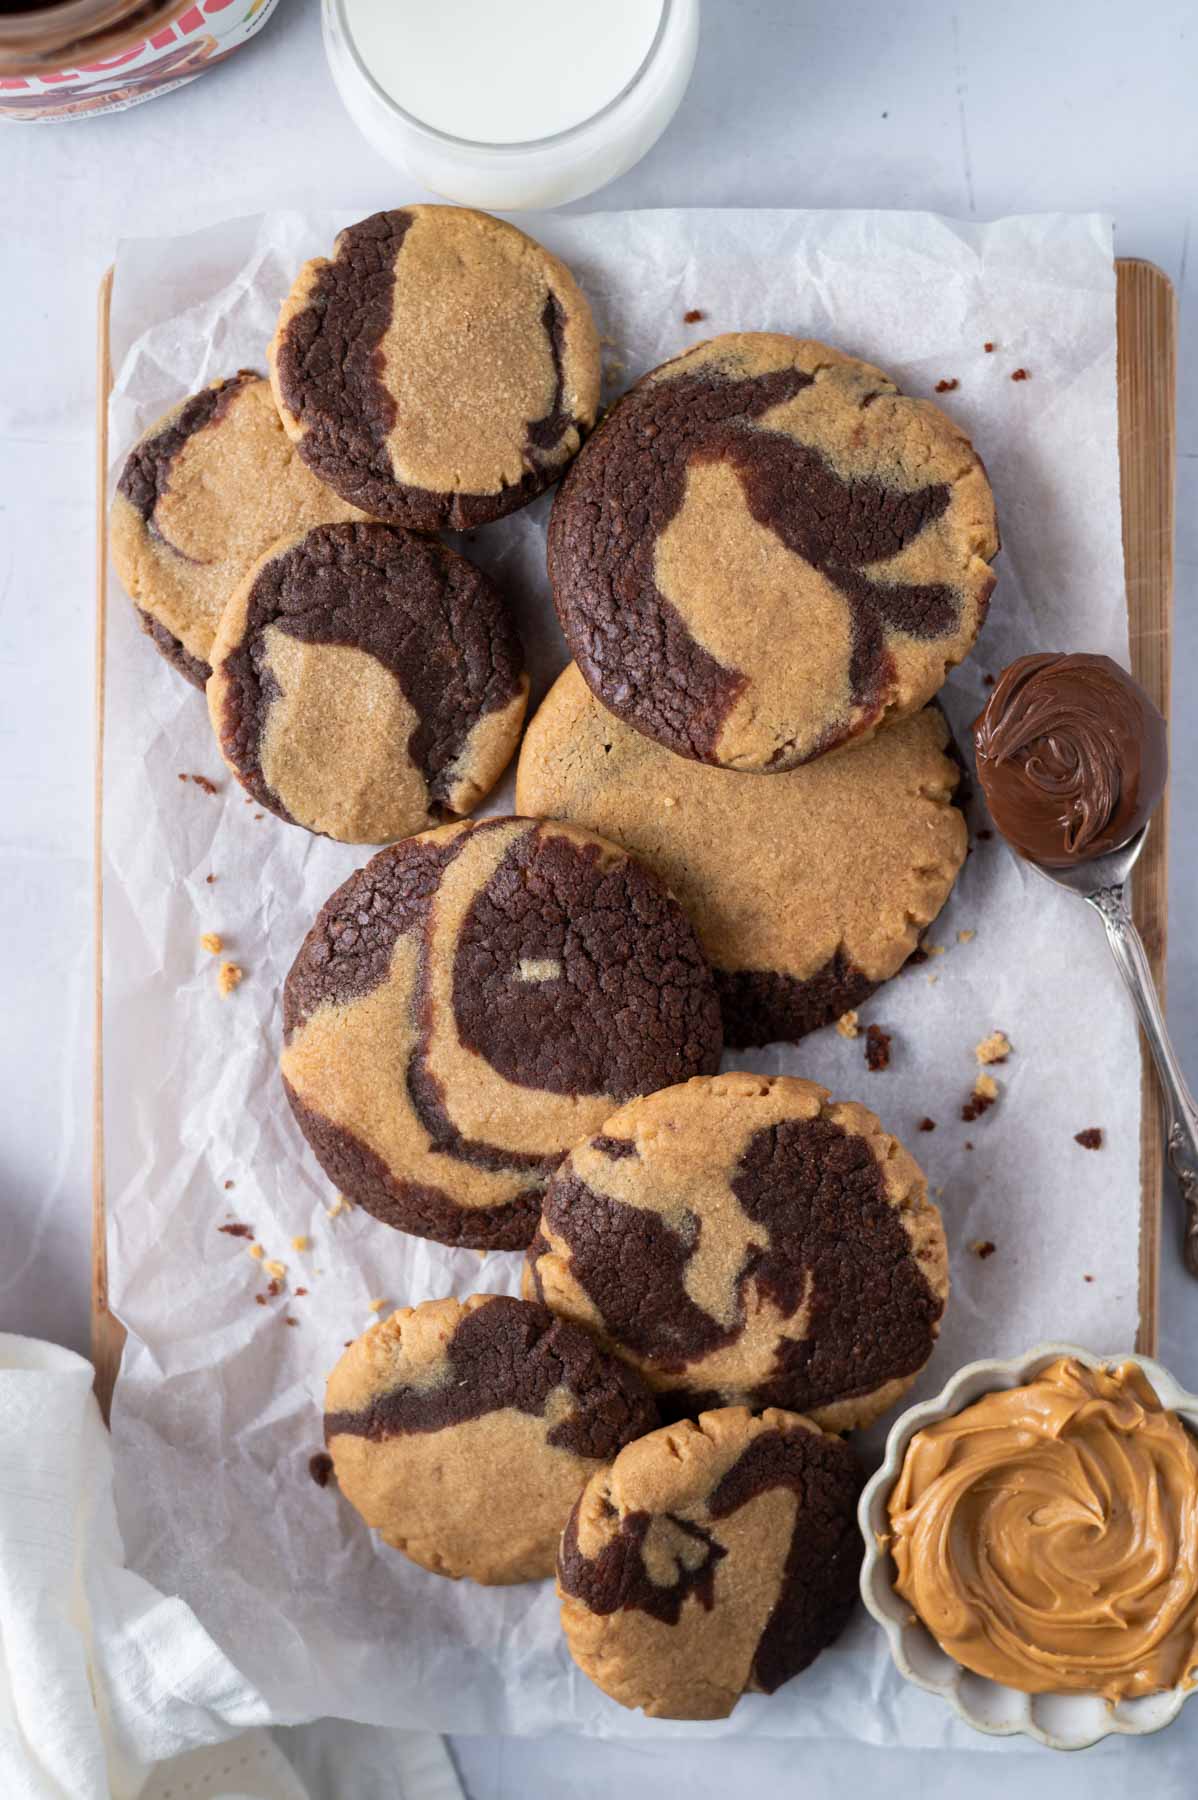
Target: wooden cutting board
<point>1147,374</point>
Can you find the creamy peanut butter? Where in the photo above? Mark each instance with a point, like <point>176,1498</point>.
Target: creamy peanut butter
<point>1047,1536</point>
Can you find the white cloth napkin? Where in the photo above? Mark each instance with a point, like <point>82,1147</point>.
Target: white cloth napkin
<point>101,1676</point>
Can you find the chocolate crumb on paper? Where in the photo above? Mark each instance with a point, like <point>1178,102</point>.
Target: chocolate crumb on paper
<point>987,681</point>
<point>847,1025</point>
<point>982,1247</point>
<point>985,833</point>
<point>993,1049</point>
<point>988,347</point>
<point>320,1468</point>
<point>927,1125</point>
<point>1089,1139</point>
<point>946,387</point>
<point>300,1292</point>
<point>1087,1277</point>
<point>202,782</point>
<point>985,1093</point>
<point>877,1048</point>
<point>210,879</point>
<point>228,1185</point>
<point>1020,375</point>
<point>693,316</point>
<point>237,1230</point>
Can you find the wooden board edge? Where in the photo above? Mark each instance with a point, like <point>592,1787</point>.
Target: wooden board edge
<point>107,1332</point>
<point>1147,398</point>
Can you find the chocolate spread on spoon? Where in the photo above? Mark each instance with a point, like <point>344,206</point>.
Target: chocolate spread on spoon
<point>1072,757</point>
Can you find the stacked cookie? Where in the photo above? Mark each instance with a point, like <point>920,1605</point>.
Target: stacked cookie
<point>364,681</point>
<point>737,819</point>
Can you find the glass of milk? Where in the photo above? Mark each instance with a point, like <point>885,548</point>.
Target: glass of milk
<point>514,106</point>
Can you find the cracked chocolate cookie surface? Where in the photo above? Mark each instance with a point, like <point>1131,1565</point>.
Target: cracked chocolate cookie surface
<point>440,370</point>
<point>807,890</point>
<point>367,683</point>
<point>712,1559</point>
<point>767,551</point>
<point>745,1238</point>
<point>463,1431</point>
<point>471,1003</point>
<point>206,490</point>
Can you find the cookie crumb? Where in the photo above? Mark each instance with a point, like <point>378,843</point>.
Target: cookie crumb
<point>847,1025</point>
<point>274,1289</point>
<point>228,977</point>
<point>341,1204</point>
<point>288,1320</point>
<point>985,1093</point>
<point>212,942</point>
<point>993,1049</point>
<point>300,1292</point>
<point>988,348</point>
<point>966,937</point>
<point>1020,375</point>
<point>1089,1139</point>
<point>932,980</point>
<point>257,1252</point>
<point>613,368</point>
<point>261,1299</point>
<point>936,949</point>
<point>376,1306</point>
<point>969,1143</point>
<point>274,1267</point>
<point>228,1185</point>
<point>927,1125</point>
<point>301,1243</point>
<point>240,1231</point>
<point>262,816</point>
<point>693,316</point>
<point>210,879</point>
<point>877,1048</point>
<point>946,387</point>
<point>982,1247</point>
<point>320,1468</point>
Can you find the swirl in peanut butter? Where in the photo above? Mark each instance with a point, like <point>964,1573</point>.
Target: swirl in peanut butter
<point>1072,757</point>
<point>1047,1536</point>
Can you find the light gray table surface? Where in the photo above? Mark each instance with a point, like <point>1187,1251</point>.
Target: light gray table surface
<point>975,110</point>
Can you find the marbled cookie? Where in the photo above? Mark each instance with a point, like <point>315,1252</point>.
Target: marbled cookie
<point>807,890</point>
<point>201,496</point>
<point>745,1238</point>
<point>462,1432</point>
<point>767,551</point>
<point>440,370</point>
<point>711,1560</point>
<point>367,683</point>
<point>473,1002</point>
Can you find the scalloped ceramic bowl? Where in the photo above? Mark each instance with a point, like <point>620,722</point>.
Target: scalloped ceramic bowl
<point>1061,1721</point>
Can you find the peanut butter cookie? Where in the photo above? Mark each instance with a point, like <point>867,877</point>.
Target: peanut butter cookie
<point>767,551</point>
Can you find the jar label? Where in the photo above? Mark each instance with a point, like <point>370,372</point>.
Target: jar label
<point>205,34</point>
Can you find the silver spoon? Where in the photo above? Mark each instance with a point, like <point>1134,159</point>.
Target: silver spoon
<point>1102,882</point>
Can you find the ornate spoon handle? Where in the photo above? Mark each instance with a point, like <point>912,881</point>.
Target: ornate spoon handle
<point>1181,1114</point>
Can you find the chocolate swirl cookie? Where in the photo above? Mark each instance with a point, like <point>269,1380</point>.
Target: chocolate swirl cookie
<point>440,370</point>
<point>462,1432</point>
<point>367,683</point>
<point>807,890</point>
<point>473,1002</point>
<point>713,1559</point>
<point>747,1239</point>
<point>767,551</point>
<point>201,496</point>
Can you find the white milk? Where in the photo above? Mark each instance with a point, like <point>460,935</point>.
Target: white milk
<point>525,104</point>
<point>502,74</point>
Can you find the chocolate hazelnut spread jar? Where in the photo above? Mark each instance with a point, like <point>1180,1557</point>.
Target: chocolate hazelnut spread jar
<point>70,59</point>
